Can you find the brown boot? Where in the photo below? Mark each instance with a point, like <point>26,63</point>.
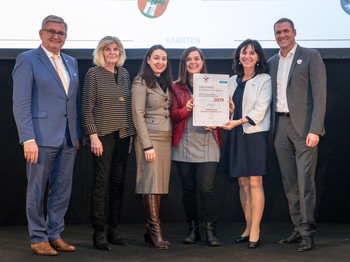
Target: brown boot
<point>151,204</point>
<point>147,236</point>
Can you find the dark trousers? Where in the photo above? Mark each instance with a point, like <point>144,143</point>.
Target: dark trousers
<point>108,187</point>
<point>199,176</point>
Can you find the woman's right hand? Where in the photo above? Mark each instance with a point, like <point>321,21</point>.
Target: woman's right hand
<point>96,145</point>
<point>150,155</point>
<point>231,105</point>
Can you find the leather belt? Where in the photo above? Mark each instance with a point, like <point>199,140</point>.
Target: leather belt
<point>286,114</point>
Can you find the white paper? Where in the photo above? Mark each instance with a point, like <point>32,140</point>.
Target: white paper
<point>210,93</point>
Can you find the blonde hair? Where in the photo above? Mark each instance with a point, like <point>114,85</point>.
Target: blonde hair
<point>99,58</point>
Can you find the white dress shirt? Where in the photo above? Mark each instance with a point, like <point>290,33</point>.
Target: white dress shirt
<point>284,66</point>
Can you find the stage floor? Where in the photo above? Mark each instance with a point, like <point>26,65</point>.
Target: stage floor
<point>332,243</point>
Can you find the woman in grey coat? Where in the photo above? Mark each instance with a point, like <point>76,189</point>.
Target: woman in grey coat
<point>150,102</point>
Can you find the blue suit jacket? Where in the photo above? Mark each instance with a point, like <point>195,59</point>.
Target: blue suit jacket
<point>40,105</point>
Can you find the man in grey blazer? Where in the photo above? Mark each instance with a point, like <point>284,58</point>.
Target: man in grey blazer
<point>299,104</point>
<point>46,111</point>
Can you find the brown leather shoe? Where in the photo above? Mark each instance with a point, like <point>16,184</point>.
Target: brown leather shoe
<point>43,249</point>
<point>60,245</point>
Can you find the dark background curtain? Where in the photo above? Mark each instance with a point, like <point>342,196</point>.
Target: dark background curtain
<point>332,178</point>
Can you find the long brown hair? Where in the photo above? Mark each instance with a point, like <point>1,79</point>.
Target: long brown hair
<point>147,74</point>
<point>182,76</point>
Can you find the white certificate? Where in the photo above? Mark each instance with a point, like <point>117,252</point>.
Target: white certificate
<point>210,93</point>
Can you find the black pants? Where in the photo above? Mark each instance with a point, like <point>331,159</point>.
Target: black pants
<point>199,176</point>
<point>109,173</point>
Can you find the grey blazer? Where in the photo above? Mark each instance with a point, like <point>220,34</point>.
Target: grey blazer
<point>306,91</point>
<point>150,111</point>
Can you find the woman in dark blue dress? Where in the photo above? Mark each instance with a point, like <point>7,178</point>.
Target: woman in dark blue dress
<point>247,143</point>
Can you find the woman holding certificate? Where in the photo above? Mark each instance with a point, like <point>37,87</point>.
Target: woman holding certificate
<point>247,142</point>
<point>150,103</point>
<point>196,151</point>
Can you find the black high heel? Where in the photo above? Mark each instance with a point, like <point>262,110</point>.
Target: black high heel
<point>242,239</point>
<point>252,244</point>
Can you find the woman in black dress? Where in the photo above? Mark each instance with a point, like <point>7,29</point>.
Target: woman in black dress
<point>247,143</point>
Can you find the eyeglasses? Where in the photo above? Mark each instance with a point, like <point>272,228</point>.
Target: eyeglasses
<point>51,33</point>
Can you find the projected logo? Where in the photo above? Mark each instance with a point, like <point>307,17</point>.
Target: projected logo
<point>345,4</point>
<point>152,8</point>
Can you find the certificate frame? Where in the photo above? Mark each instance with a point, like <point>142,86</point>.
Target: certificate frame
<point>210,93</point>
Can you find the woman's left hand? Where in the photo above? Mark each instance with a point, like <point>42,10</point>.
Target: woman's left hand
<point>231,124</point>
<point>190,105</point>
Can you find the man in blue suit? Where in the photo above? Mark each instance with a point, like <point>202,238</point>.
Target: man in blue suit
<point>46,111</point>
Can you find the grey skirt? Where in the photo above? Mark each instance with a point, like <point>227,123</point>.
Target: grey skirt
<point>153,178</point>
